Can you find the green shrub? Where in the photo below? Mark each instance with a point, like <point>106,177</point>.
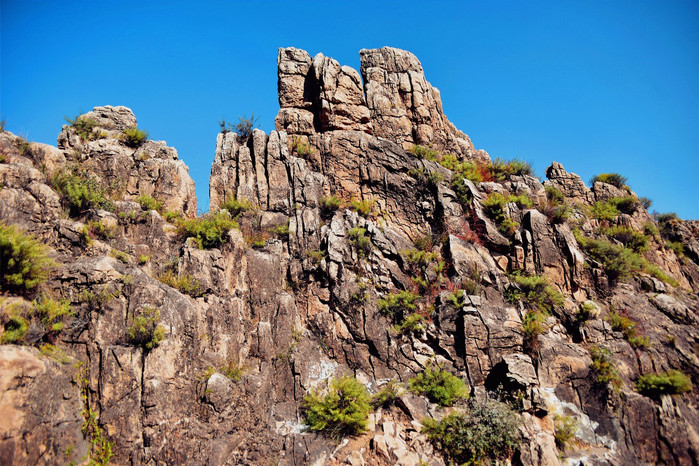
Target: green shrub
<point>387,395</point>
<point>413,323</point>
<point>237,207</point>
<point>487,431</point>
<point>420,260</point>
<point>494,205</point>
<point>209,231</point>
<point>316,256</point>
<point>666,217</point>
<point>614,179</point>
<point>342,411</point>
<point>365,207</point>
<point>627,205</point>
<point>80,190</point>
<point>328,205</point>
<point>565,428</point>
<point>645,202</point>
<point>85,127</point>
<point>554,195</point>
<point>617,261</point>
<point>184,284</point>
<point>533,325</point>
<point>143,259</point>
<point>397,305</point>
<point>360,241</point>
<point>52,312</point>
<point>670,382</point>
<point>630,238</point>
<point>301,147</point>
<point>24,261</point>
<point>145,330</point>
<point>15,330</point>
<point>233,371</point>
<point>604,368</point>
<point>439,385</point>
<point>120,256</point>
<point>536,292</point>
<point>150,203</point>
<point>134,137</point>
<point>281,230</point>
<point>99,229</point>
<point>602,210</point>
<point>424,152</point>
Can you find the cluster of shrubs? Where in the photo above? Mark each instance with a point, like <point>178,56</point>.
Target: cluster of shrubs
<point>494,207</point>
<point>627,327</point>
<point>618,261</point>
<point>51,313</point>
<point>486,431</point>
<point>540,299</point>
<point>80,190</point>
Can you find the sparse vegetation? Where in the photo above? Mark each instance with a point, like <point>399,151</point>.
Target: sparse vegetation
<point>413,323</point>
<point>120,256</point>
<point>494,207</point>
<point>365,207</point>
<point>150,203</point>
<point>209,231</point>
<point>604,368</point>
<point>671,382</point>
<point>24,261</point>
<point>80,190</point>
<point>86,128</point>
<point>134,137</point>
<point>301,147</point>
<point>342,411</point>
<point>565,428</point>
<point>145,330</point>
<point>237,207</point>
<point>328,205</point>
<point>387,395</point>
<point>360,241</point>
<point>614,179</point>
<point>487,431</point>
<point>398,305</point>
<point>425,152</point>
<point>51,313</point>
<point>246,125</point>
<point>630,238</point>
<point>184,284</point>
<point>439,386</point>
<point>619,262</point>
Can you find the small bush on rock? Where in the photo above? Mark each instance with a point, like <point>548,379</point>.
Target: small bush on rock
<point>342,411</point>
<point>604,368</point>
<point>397,305</point>
<point>614,179</point>
<point>237,206</point>
<point>24,261</point>
<point>439,386</point>
<point>671,382</point>
<point>488,430</point>
<point>145,330</point>
<point>80,190</point>
<point>134,137</point>
<point>209,231</point>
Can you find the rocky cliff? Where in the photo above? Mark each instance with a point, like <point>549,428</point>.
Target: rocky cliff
<point>366,236</point>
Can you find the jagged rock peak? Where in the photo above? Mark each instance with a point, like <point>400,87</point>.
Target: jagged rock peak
<point>396,102</point>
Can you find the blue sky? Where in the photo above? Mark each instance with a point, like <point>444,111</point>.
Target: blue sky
<point>608,86</point>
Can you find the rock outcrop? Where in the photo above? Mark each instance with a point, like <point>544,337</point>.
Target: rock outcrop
<point>528,300</point>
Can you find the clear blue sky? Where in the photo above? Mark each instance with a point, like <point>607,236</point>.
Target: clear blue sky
<point>600,86</point>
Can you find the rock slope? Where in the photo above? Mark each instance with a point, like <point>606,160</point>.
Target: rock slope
<point>530,292</point>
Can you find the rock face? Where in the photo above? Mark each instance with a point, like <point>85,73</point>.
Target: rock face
<point>339,217</point>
